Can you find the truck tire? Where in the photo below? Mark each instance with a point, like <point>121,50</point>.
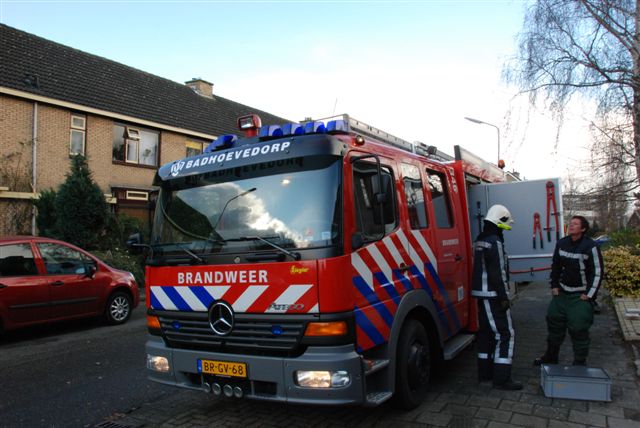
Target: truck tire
<point>413,366</point>
<point>118,308</point>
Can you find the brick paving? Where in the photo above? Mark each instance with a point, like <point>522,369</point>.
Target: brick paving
<point>456,399</point>
<point>628,311</point>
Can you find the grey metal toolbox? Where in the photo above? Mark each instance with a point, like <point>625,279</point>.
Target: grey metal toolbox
<point>576,382</point>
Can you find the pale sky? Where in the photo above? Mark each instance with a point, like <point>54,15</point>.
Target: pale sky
<point>412,68</point>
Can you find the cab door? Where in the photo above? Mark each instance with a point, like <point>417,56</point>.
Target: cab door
<point>24,293</point>
<point>448,239</point>
<point>380,260</point>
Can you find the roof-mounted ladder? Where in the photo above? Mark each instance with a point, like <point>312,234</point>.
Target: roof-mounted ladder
<point>359,127</point>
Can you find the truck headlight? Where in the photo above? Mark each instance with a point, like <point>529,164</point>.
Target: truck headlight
<point>322,378</point>
<point>157,363</point>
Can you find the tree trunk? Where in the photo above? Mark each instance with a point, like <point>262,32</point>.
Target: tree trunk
<point>636,94</point>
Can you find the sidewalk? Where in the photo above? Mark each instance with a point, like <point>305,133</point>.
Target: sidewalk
<point>455,400</point>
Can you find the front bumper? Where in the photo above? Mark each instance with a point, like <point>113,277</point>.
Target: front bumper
<point>269,378</point>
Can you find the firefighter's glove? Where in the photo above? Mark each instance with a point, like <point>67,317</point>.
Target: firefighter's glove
<point>505,304</point>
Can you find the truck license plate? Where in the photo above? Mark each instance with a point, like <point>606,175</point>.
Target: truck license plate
<point>222,368</point>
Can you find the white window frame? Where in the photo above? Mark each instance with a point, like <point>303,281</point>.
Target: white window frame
<point>79,129</point>
<point>136,195</point>
<point>132,133</point>
<point>131,143</point>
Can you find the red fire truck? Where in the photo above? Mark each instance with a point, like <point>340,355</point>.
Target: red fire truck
<point>321,263</point>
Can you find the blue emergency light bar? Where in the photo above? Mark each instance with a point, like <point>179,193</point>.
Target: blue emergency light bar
<point>222,142</point>
<point>314,127</point>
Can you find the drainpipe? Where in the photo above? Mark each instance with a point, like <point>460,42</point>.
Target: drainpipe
<point>34,169</point>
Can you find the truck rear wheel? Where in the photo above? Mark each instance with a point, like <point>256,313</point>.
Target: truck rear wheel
<point>413,366</point>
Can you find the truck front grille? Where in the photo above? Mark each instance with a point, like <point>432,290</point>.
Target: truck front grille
<point>263,334</point>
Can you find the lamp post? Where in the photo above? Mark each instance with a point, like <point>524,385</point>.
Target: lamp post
<point>481,122</point>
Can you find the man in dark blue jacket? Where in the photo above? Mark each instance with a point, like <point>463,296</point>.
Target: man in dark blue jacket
<point>576,273</point>
<point>495,338</point>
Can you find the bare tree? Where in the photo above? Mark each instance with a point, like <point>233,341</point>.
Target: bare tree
<point>15,167</point>
<point>589,48</point>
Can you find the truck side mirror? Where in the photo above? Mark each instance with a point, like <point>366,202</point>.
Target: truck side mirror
<point>134,243</point>
<point>357,240</point>
<point>384,213</point>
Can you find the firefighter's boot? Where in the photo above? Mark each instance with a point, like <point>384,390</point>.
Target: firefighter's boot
<point>550,356</point>
<point>485,369</point>
<point>502,378</point>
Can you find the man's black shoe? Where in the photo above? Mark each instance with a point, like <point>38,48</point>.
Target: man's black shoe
<point>508,386</point>
<point>483,379</point>
<point>579,362</point>
<point>545,360</point>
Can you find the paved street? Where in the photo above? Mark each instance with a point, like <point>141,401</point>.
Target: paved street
<point>456,399</point>
<point>73,373</point>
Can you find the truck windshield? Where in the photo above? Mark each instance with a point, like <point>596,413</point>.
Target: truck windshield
<point>293,203</point>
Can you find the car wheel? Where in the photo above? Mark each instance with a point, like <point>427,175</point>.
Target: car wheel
<point>413,366</point>
<point>118,308</point>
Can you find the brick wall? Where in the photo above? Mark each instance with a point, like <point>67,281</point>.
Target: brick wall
<point>16,118</point>
<point>53,160</point>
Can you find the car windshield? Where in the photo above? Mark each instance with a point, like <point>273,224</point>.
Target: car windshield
<point>294,203</point>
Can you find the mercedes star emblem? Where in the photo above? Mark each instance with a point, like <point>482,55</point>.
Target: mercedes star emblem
<point>221,318</point>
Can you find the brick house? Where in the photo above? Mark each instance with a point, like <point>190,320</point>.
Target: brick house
<point>56,101</point>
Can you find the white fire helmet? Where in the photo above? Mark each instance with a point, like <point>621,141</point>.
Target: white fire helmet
<point>500,216</point>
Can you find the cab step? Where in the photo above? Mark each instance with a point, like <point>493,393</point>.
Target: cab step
<point>456,344</point>
<point>372,366</point>
<point>377,398</point>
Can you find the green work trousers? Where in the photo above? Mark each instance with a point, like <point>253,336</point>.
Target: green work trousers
<point>568,312</point>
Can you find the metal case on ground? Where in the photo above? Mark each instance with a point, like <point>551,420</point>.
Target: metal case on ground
<point>575,382</point>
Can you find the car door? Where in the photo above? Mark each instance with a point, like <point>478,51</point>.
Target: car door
<point>72,292</point>
<point>24,292</point>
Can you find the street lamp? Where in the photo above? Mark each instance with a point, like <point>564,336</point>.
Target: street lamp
<point>481,122</point>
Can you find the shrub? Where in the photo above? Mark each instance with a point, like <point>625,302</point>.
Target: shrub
<point>120,258</point>
<point>46,213</point>
<point>622,272</point>
<point>118,229</point>
<point>81,211</point>
<point>627,238</point>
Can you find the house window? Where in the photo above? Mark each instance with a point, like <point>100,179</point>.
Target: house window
<point>195,148</point>
<point>135,145</point>
<point>77,134</point>
<point>137,196</point>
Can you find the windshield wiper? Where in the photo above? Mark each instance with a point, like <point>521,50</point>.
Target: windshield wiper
<point>239,195</point>
<point>180,245</point>
<point>294,256</point>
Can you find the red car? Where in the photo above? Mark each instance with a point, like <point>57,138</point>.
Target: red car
<point>44,280</point>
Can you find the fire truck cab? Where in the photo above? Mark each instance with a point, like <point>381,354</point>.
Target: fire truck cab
<point>321,263</point>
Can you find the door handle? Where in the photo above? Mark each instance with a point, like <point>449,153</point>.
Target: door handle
<point>57,283</point>
<point>458,257</point>
<point>403,267</point>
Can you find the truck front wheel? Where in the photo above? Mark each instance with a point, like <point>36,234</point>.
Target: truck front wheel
<point>413,366</point>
